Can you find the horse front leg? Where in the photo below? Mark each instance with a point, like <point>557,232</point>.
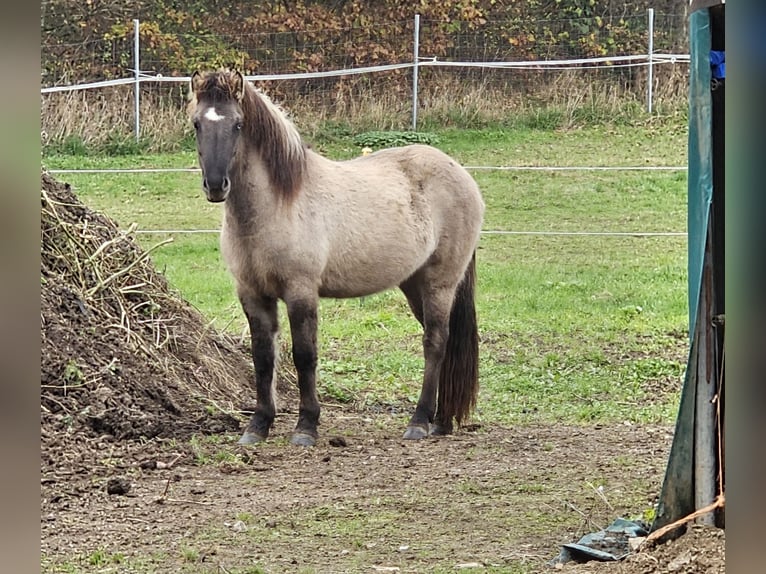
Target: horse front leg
<point>302,313</point>
<point>261,313</point>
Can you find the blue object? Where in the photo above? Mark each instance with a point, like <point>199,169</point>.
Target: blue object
<point>718,64</point>
<point>608,545</point>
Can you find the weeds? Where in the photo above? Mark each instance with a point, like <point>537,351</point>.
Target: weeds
<point>379,139</point>
<point>101,558</point>
<point>190,555</point>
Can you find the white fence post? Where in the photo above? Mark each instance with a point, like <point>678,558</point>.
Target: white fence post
<point>416,57</point>
<point>136,74</point>
<point>650,75</point>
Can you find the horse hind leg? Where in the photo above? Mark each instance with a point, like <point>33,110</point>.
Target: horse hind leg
<point>450,348</point>
<point>434,316</point>
<point>411,290</point>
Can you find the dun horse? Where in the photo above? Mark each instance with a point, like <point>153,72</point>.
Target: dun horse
<point>298,226</point>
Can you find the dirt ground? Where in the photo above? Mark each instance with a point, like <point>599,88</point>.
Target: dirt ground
<point>439,505</point>
<point>140,470</point>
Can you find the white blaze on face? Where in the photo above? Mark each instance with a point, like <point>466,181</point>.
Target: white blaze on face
<point>212,115</point>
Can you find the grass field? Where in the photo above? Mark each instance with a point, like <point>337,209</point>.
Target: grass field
<point>574,328</point>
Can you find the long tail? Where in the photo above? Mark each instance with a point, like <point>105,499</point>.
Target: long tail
<point>459,378</point>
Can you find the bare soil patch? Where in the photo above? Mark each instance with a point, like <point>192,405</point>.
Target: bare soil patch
<point>140,470</point>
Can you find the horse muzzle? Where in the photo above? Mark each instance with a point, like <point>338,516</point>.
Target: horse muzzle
<point>216,190</point>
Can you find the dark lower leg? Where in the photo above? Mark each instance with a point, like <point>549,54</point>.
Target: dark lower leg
<point>442,425</point>
<point>434,339</point>
<point>303,327</point>
<point>262,317</point>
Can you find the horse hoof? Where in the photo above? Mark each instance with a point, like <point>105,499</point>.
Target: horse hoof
<point>438,430</point>
<point>302,439</point>
<point>415,433</point>
<point>251,438</point>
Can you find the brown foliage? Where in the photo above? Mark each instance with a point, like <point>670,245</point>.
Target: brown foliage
<point>92,39</point>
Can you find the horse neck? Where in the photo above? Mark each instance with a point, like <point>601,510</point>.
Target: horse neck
<point>251,197</point>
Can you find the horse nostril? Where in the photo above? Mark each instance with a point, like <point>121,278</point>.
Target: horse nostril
<point>204,185</point>
<point>226,184</point>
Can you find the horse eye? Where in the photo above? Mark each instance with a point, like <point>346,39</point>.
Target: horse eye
<point>238,126</point>
<point>196,124</point>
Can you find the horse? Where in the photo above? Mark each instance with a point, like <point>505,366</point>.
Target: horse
<point>298,226</point>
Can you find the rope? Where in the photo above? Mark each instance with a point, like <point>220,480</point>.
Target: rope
<point>473,167</point>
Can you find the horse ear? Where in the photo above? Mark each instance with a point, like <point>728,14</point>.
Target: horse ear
<point>196,81</point>
<point>238,85</point>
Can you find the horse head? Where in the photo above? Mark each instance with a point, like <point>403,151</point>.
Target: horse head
<point>218,119</point>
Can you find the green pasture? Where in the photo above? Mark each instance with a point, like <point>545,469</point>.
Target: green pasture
<point>574,328</point>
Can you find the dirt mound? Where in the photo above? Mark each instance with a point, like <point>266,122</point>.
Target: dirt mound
<point>699,549</point>
<point>123,356</point>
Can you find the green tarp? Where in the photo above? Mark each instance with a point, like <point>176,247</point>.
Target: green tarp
<point>678,492</point>
<point>700,174</point>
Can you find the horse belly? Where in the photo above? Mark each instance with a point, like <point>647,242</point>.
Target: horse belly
<point>357,286</point>
<point>379,241</point>
<point>385,267</point>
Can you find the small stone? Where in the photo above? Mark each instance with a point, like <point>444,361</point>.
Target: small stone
<point>239,526</point>
<point>338,441</point>
<point>118,485</point>
<point>635,542</point>
<point>680,561</point>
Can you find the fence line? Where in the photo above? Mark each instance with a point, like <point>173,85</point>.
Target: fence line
<point>483,232</point>
<point>579,168</point>
<point>473,167</point>
<point>650,59</point>
<point>636,234</point>
<point>581,63</point>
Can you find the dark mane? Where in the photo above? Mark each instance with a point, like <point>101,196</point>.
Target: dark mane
<point>279,143</point>
<point>267,127</point>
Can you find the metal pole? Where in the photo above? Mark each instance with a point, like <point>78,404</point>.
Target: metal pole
<point>416,56</point>
<point>705,438</point>
<point>137,68</point>
<point>650,75</point>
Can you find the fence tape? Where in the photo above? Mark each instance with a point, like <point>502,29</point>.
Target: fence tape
<point>472,167</point>
<point>485,232</point>
<point>636,60</point>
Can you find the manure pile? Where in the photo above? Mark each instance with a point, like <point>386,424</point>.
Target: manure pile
<point>123,356</point>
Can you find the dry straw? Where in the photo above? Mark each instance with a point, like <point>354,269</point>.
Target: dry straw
<point>122,353</point>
